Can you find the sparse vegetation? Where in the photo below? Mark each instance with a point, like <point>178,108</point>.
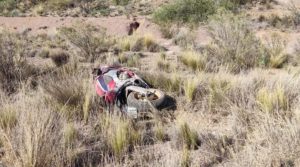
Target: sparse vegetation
<point>59,57</point>
<point>13,65</point>
<point>90,40</point>
<point>234,44</point>
<point>185,11</point>
<point>237,98</point>
<point>194,60</point>
<point>190,89</point>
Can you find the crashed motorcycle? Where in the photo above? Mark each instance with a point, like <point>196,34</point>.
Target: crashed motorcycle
<point>122,89</point>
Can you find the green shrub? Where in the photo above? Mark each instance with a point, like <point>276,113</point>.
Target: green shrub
<point>7,4</point>
<point>185,11</point>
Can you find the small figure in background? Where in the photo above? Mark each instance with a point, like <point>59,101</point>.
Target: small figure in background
<point>133,26</point>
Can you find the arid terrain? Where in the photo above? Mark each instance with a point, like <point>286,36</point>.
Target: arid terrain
<point>232,67</point>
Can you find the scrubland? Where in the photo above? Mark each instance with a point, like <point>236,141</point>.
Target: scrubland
<point>236,97</point>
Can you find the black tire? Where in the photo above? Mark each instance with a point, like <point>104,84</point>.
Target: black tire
<point>143,104</point>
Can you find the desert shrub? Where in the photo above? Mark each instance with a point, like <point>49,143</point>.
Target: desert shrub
<point>70,133</point>
<point>291,20</point>
<point>185,11</point>
<point>145,43</point>
<point>124,44</point>
<point>234,44</point>
<point>217,97</point>
<point>90,40</point>
<point>186,158</point>
<point>130,60</point>
<point>194,60</point>
<point>35,139</point>
<point>7,4</point>
<point>163,65</point>
<point>162,81</point>
<point>59,57</point>
<point>13,65</point>
<point>275,47</point>
<point>272,100</point>
<point>8,117</point>
<point>43,53</point>
<point>120,135</point>
<point>168,30</point>
<point>184,38</point>
<point>190,87</point>
<point>69,92</point>
<point>188,137</point>
<point>60,4</point>
<point>121,2</point>
<point>295,14</point>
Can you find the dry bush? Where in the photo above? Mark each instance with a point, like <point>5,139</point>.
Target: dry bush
<point>137,43</point>
<point>234,45</point>
<point>35,140</point>
<point>90,40</point>
<point>59,57</point>
<point>130,60</point>
<point>13,65</point>
<point>163,65</point>
<point>70,89</point>
<point>185,38</point>
<point>194,60</point>
<point>162,81</point>
<point>190,87</point>
<point>275,56</point>
<point>145,43</point>
<point>291,20</point>
<point>188,137</point>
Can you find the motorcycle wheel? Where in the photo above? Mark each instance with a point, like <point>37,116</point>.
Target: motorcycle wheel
<point>156,98</point>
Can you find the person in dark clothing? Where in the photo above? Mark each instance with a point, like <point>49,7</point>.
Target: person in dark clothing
<point>133,26</point>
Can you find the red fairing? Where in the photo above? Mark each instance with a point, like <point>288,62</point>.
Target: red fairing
<point>110,97</point>
<point>104,90</point>
<point>111,85</point>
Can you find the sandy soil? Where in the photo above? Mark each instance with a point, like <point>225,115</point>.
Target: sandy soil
<point>114,25</point>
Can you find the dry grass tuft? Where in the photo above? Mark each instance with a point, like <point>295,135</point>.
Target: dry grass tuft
<point>189,137</point>
<point>13,64</point>
<point>194,60</point>
<point>234,45</point>
<point>59,57</point>
<point>272,101</point>
<point>190,88</point>
<point>90,40</point>
<point>275,49</point>
<point>8,117</point>
<point>70,135</point>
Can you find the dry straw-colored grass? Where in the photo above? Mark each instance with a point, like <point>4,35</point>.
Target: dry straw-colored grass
<point>243,118</point>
